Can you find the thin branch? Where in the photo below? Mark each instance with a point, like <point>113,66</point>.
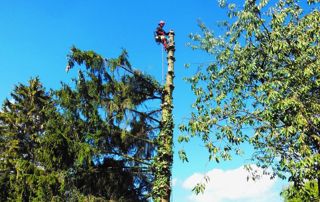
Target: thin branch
<point>130,158</point>
<point>146,115</point>
<point>136,74</point>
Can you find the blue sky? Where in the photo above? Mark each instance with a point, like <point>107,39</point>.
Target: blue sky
<point>36,35</point>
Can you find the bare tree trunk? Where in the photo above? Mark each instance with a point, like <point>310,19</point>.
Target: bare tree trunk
<point>163,163</point>
<point>319,187</point>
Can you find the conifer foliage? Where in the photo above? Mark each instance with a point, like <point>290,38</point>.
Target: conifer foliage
<point>92,140</point>
<point>23,122</point>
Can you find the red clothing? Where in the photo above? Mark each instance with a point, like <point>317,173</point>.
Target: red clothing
<point>160,31</point>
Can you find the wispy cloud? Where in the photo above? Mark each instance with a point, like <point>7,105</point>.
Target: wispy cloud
<point>232,185</point>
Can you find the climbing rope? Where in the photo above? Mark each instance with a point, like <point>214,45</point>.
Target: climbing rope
<point>162,55</point>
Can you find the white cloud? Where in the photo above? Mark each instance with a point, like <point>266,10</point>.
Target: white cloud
<point>232,185</point>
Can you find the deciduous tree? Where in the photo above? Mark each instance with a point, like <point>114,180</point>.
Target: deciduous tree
<point>264,77</point>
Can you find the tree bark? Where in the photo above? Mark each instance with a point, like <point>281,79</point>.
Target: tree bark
<point>165,141</point>
<point>319,187</point>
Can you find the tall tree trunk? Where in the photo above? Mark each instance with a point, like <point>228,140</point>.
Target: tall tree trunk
<point>318,168</point>
<point>164,159</point>
<point>319,187</point>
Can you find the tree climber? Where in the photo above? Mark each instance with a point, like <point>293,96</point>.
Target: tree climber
<point>160,35</point>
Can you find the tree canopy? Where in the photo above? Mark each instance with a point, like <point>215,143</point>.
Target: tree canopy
<point>93,140</point>
<point>308,193</point>
<point>264,77</point>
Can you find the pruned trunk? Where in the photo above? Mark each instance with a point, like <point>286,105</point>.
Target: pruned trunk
<point>164,159</point>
